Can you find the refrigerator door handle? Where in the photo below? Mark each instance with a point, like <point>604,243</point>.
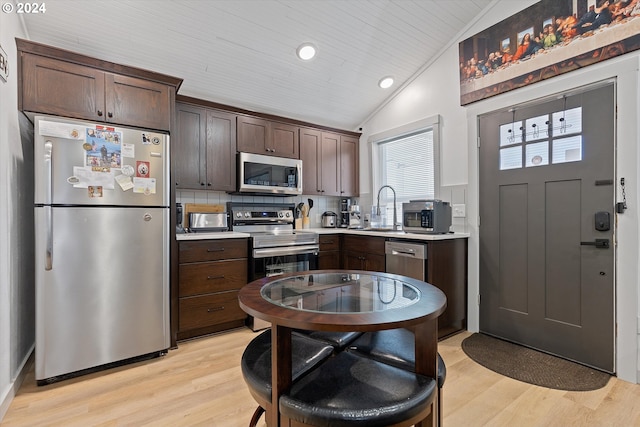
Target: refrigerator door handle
<point>48,258</point>
<point>48,188</point>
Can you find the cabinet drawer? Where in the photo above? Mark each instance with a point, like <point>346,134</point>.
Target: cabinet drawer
<point>207,277</point>
<point>208,310</point>
<point>329,260</point>
<point>329,242</point>
<point>213,250</point>
<point>370,244</point>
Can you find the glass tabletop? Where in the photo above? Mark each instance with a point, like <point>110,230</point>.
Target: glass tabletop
<point>340,293</point>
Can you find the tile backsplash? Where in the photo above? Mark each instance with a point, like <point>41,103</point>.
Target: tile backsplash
<point>320,203</point>
<point>455,194</point>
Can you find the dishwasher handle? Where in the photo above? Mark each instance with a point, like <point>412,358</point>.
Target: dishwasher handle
<point>409,253</point>
<point>409,250</point>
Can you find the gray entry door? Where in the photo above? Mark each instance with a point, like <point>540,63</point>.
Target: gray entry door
<point>546,197</point>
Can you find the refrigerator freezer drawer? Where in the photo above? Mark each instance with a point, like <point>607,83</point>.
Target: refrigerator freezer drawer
<point>105,297</point>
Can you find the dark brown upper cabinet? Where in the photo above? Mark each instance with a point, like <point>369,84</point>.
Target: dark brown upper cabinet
<point>204,149</point>
<point>261,136</point>
<point>329,163</point>
<point>63,83</point>
<point>349,166</point>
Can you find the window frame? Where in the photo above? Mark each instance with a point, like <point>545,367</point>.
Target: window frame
<point>430,123</point>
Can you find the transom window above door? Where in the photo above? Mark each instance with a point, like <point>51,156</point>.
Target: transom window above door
<point>539,141</point>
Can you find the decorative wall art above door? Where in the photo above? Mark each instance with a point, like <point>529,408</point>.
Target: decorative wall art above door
<point>549,38</point>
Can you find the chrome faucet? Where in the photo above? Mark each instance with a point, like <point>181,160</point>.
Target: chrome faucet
<point>395,212</point>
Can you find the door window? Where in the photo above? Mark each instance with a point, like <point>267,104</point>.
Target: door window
<point>547,139</point>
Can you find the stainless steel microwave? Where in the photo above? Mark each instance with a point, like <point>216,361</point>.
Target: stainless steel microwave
<point>269,175</point>
<point>426,216</point>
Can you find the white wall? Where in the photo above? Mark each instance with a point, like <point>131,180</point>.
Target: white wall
<point>435,91</point>
<point>17,320</point>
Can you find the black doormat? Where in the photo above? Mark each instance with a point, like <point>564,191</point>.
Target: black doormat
<point>531,366</point>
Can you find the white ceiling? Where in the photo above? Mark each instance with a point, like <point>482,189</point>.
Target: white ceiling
<point>242,52</point>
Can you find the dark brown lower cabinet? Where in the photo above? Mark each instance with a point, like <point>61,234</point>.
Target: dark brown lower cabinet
<point>363,253</point>
<point>447,269</point>
<point>329,256</point>
<point>210,274</point>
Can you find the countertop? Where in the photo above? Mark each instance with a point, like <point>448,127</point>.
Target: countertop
<point>211,236</point>
<point>361,232</point>
<point>394,234</point>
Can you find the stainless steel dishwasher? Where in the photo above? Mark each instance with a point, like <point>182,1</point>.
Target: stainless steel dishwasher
<point>407,259</point>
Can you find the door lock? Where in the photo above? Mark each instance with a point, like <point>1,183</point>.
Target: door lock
<point>598,243</point>
<point>602,221</point>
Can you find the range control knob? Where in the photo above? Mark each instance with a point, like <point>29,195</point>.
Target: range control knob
<point>281,214</point>
<point>247,215</point>
<point>287,214</point>
<point>238,214</point>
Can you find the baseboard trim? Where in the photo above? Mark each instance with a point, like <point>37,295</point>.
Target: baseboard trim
<point>27,363</point>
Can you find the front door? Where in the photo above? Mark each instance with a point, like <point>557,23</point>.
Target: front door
<point>547,225</point>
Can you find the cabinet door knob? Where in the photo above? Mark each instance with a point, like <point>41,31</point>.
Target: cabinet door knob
<point>100,113</point>
<point>208,184</point>
<point>202,183</point>
<point>110,114</point>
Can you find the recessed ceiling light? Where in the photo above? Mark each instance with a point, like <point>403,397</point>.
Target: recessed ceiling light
<point>306,51</point>
<point>385,82</point>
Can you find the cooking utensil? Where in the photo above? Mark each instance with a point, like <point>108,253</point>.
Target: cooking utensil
<point>310,204</point>
<point>299,209</point>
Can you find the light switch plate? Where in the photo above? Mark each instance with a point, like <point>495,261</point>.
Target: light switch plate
<point>4,65</point>
<point>459,211</point>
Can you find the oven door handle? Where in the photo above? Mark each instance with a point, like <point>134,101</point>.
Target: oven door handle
<point>288,250</point>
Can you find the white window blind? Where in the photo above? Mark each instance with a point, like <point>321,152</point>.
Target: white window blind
<point>407,160</point>
<point>407,164</point>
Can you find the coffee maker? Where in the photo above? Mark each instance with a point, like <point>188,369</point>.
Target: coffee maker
<point>345,205</point>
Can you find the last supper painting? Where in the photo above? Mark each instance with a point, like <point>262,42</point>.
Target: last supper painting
<point>549,38</point>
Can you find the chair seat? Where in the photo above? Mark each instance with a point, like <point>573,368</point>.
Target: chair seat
<point>339,340</point>
<point>395,347</point>
<point>306,354</point>
<point>351,390</point>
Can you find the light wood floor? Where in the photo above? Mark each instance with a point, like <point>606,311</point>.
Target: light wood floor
<point>200,384</point>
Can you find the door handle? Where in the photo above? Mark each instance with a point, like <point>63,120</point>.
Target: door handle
<point>598,243</point>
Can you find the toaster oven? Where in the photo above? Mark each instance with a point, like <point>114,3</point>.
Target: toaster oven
<point>426,216</point>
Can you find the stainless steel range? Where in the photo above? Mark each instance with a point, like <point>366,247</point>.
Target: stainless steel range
<point>276,247</point>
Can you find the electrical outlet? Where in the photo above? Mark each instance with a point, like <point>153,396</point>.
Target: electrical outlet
<point>459,211</point>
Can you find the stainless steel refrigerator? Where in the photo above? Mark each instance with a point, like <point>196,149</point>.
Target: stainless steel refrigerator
<point>102,246</point>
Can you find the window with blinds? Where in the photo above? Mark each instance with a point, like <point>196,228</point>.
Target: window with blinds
<point>408,163</point>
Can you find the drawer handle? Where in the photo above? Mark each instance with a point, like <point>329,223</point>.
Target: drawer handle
<point>216,250</point>
<point>215,277</point>
<point>211,310</point>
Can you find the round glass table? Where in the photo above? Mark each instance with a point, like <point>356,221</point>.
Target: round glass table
<point>342,300</point>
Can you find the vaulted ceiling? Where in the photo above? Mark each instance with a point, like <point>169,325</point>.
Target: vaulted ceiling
<point>242,52</point>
